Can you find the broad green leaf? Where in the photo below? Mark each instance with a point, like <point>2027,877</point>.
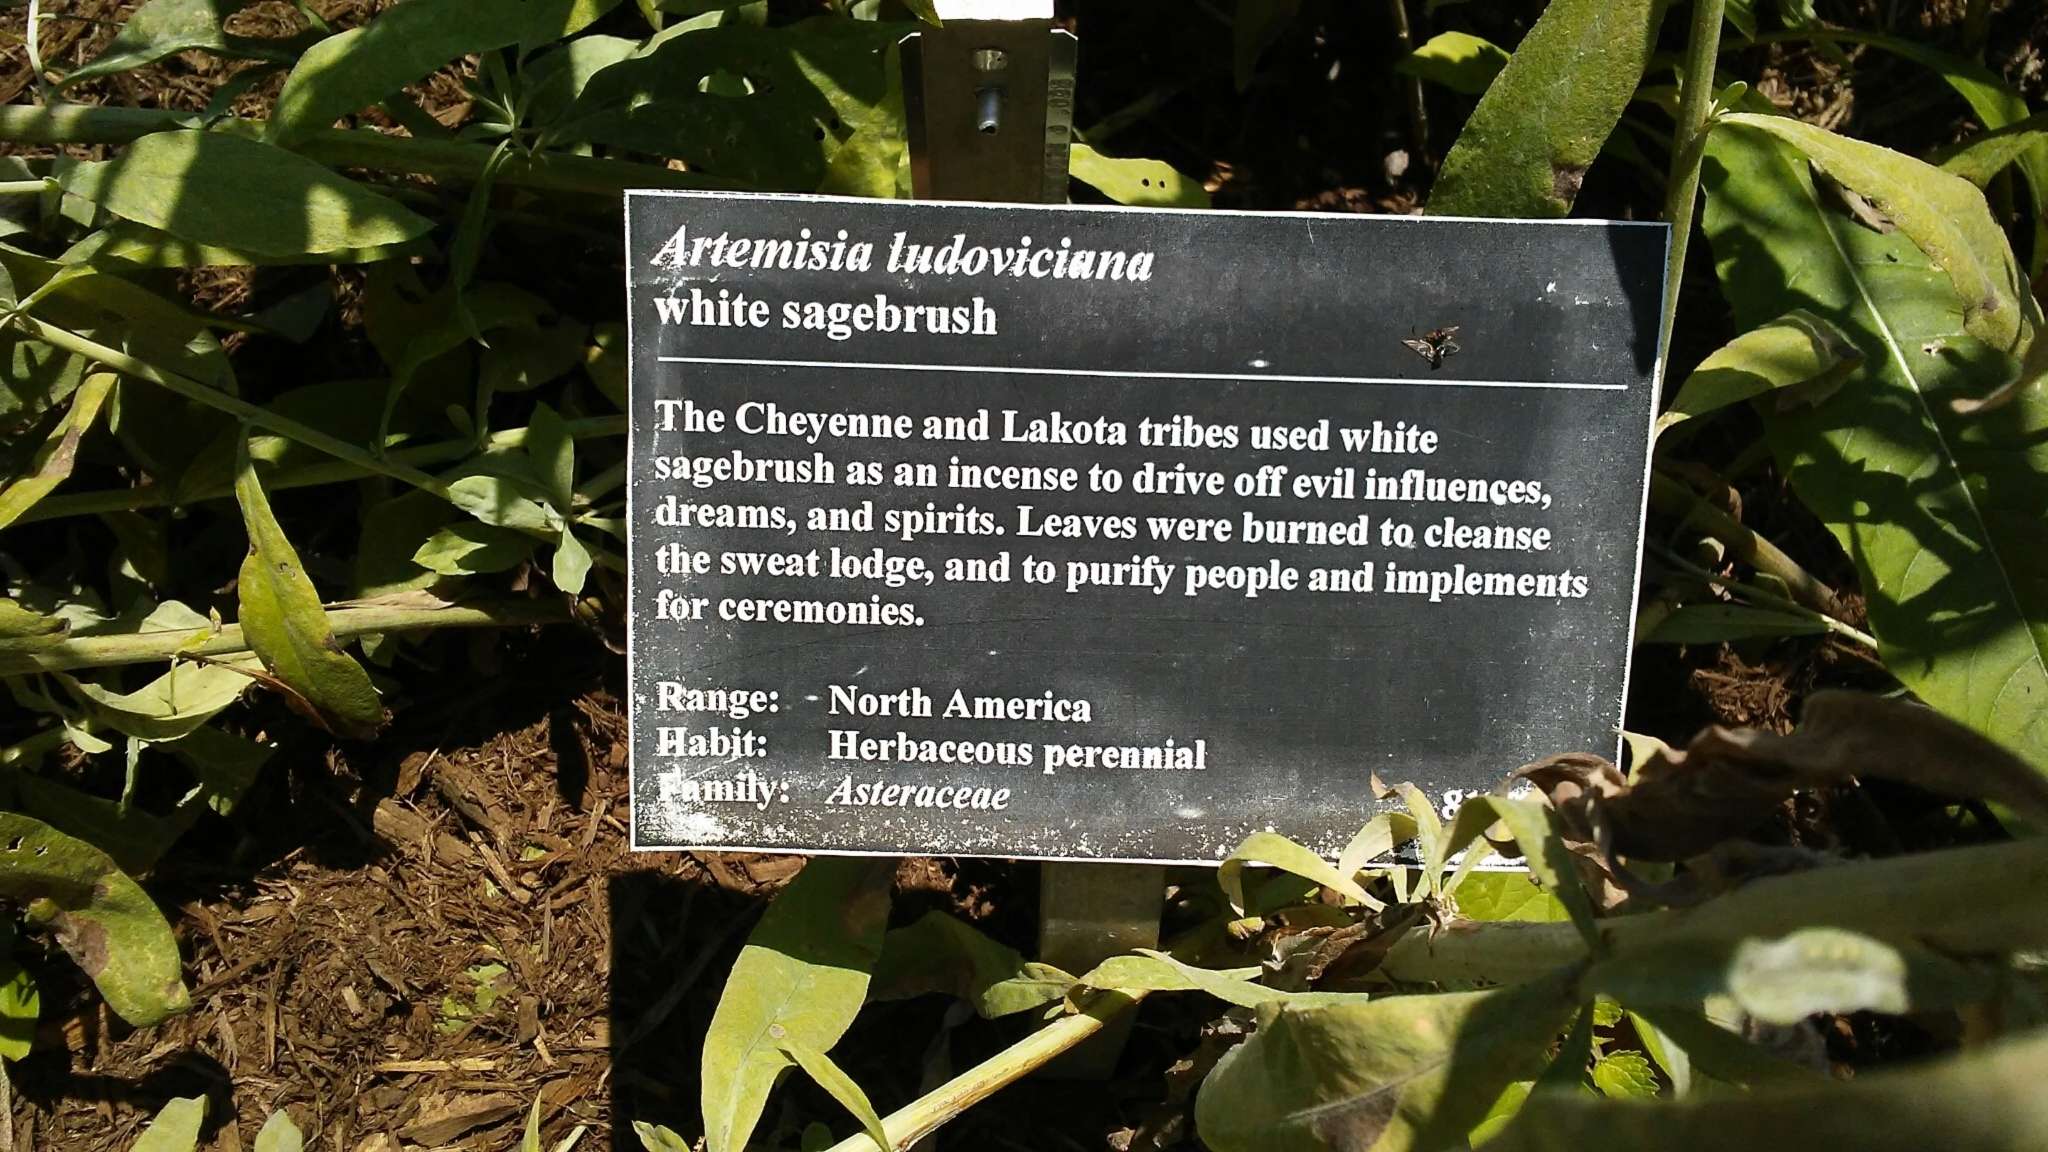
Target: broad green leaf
<point>53,462</point>
<point>1940,512</point>
<point>1150,971</point>
<point>1624,1076</point>
<point>570,564</point>
<point>1528,144</point>
<point>553,452</point>
<point>604,360</point>
<point>799,981</point>
<point>1797,349</point>
<point>281,1135</point>
<point>22,629</point>
<point>1944,215</point>
<point>812,86</point>
<point>176,1127</point>
<point>1390,1075</point>
<point>172,705</point>
<point>875,160</point>
<point>126,244</point>
<point>1718,1053</point>
<point>218,189</point>
<point>1459,61</point>
<point>939,953</point>
<point>163,28</point>
<point>1152,183</point>
<point>471,547</point>
<point>1984,1100</point>
<point>102,918</point>
<point>1665,1052</point>
<point>1534,828</point>
<point>504,503</point>
<point>834,1080</point>
<point>1716,623</point>
<point>226,764</point>
<point>1508,896</point>
<point>1257,25</point>
<point>21,1006</point>
<point>286,626</point>
<point>557,77</point>
<point>655,1138</point>
<point>360,67</point>
<point>1278,851</point>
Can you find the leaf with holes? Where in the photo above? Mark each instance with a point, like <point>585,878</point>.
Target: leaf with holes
<point>1940,512</point>
<point>1150,183</point>
<point>102,918</point>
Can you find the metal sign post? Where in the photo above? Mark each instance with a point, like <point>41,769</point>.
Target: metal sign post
<point>989,97</point>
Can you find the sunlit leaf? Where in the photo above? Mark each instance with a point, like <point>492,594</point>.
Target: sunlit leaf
<point>1459,61</point>
<point>21,1006</point>
<point>1624,1075</point>
<point>1718,623</point>
<point>938,953</point>
<point>1796,350</point>
<point>279,1134</point>
<point>1150,183</point>
<point>52,463</point>
<point>102,918</point>
<point>220,189</point>
<point>176,1127</point>
<point>841,1087</point>
<point>163,28</point>
<point>471,548</point>
<point>1278,851</point>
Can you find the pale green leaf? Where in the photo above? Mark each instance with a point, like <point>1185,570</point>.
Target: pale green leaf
<point>1151,183</point>
<point>471,548</point>
<point>1717,623</point>
<point>570,565</point>
<point>103,919</point>
<point>1459,61</point>
<point>1429,833</point>
<point>529,1140</point>
<point>834,1080</point>
<point>21,1005</point>
<point>1941,513</point>
<point>553,452</point>
<point>1534,829</point>
<point>1528,144</point>
<point>1152,971</point>
<point>1394,1074</point>
<point>1624,1075</point>
<point>939,953</point>
<point>175,1129</point>
<point>53,461</point>
<point>1278,851</point>
<point>287,628</point>
<point>214,188</point>
<point>1378,838</point>
<point>1672,1059</point>
<point>655,1138</point>
<point>170,706</point>
<point>1944,215</point>
<point>279,1134</point>
<point>504,503</point>
<point>800,980</point>
<point>1984,1100</point>
<point>1795,350</point>
<point>1508,896</point>
<point>163,28</point>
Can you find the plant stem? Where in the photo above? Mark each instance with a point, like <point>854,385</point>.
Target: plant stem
<point>1767,599</point>
<point>413,614</point>
<point>1688,150</point>
<point>356,148</point>
<point>309,476</point>
<point>1671,496</point>
<point>234,406</point>
<point>22,187</point>
<point>924,1115</point>
<point>1418,109</point>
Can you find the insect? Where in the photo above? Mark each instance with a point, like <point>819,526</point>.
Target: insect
<point>1434,345</point>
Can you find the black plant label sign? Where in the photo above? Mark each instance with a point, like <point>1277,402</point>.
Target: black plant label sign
<point>1116,534</point>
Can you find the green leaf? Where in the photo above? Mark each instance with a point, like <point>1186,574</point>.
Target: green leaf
<point>829,1076</point>
<point>1940,513</point>
<point>1527,146</point>
<point>176,1127</point>
<point>939,953</point>
<point>1718,1053</point>
<point>1624,1076</point>
<point>1429,834</point>
<point>21,628</point>
<point>655,1138</point>
<point>1672,1059</point>
<point>1980,159</point>
<point>1152,183</point>
<point>1985,1100</point>
<point>570,565</point>
<point>1496,896</point>
<point>811,87</point>
<point>1797,349</point>
<point>1393,1074</point>
<point>1459,61</point>
<point>163,28</point>
<point>1257,25</point>
<point>471,548</point>
<point>1944,215</point>
<point>287,628</point>
<point>1716,623</point>
<point>800,980</point>
<point>172,705</point>
<point>1275,850</point>
<point>21,1005</point>
<point>529,1141</point>
<point>53,462</point>
<point>1376,839</point>
<point>360,67</point>
<point>504,503</point>
<point>557,77</point>
<point>1534,828</point>
<point>102,918</point>
<point>281,1135</point>
<point>1151,971</point>
<point>553,452</point>
<point>213,188</point>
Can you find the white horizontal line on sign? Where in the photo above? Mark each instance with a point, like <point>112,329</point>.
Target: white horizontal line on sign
<point>1014,370</point>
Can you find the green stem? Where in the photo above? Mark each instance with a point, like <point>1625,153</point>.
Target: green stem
<point>234,406</point>
<point>347,622</point>
<point>1765,598</point>
<point>926,1114</point>
<point>22,187</point>
<point>1688,149</point>
<point>1672,497</point>
<point>309,476</point>
<point>355,148</point>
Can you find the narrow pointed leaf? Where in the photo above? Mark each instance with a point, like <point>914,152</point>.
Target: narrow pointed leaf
<point>280,1134</point>
<point>53,463</point>
<point>1280,852</point>
<point>841,1087</point>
